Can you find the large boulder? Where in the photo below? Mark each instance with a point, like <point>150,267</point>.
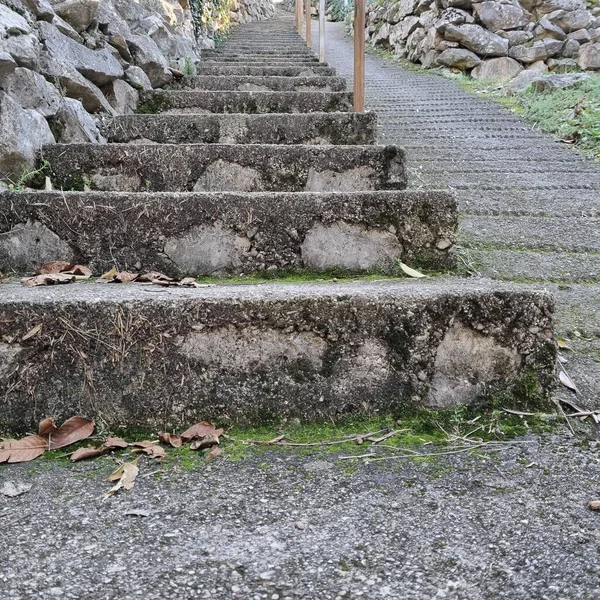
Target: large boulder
<point>122,97</point>
<point>452,16</point>
<point>558,82</point>
<point>549,6</point>
<point>547,29</point>
<point>42,9</point>
<point>74,84</point>
<point>458,58</point>
<point>174,47</point>
<point>538,50</point>
<point>476,38</point>
<point>499,15</point>
<point>137,79</point>
<point>18,39</point>
<point>22,133</point>
<point>400,10</point>
<point>79,14</point>
<point>31,90</point>
<point>589,57</point>
<point>497,70</point>
<point>7,65</point>
<point>99,66</point>
<point>72,124</point>
<point>149,58</point>
<point>518,37</point>
<point>402,30</point>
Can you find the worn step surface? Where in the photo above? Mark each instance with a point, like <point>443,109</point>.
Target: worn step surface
<point>167,357</point>
<point>262,84</point>
<point>265,71</point>
<point>299,128</point>
<point>219,233</point>
<point>224,167</point>
<point>244,102</point>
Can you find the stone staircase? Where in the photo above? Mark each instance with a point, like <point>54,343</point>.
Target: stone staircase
<point>255,166</point>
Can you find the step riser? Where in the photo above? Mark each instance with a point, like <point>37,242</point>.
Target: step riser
<point>263,59</point>
<point>248,168</point>
<point>264,84</point>
<point>157,101</point>
<point>214,234</point>
<point>313,128</point>
<point>303,52</point>
<point>263,353</point>
<point>233,70</point>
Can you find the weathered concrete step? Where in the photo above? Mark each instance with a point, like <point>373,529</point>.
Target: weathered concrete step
<point>458,166</point>
<point>264,59</point>
<point>240,50</point>
<point>262,84</point>
<point>564,267</point>
<point>162,358</point>
<point>217,233</point>
<point>509,180</point>
<point>156,101</point>
<point>502,154</point>
<point>266,71</point>
<point>550,233</point>
<point>273,128</point>
<point>225,167</point>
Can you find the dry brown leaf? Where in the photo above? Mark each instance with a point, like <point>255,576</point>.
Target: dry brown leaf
<point>216,451</point>
<point>52,279</point>
<point>124,476</point>
<point>79,271</point>
<point>170,438</point>
<point>594,505</point>
<point>562,344</point>
<point>32,332</point>
<point>152,449</point>
<point>47,427</point>
<point>71,431</point>
<point>55,266</point>
<point>125,277</point>
<point>111,443</point>
<point>206,442</point>
<point>188,282</point>
<point>199,430</point>
<point>23,450</point>
<point>153,277</point>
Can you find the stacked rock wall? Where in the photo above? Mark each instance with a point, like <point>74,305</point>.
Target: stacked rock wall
<point>494,39</point>
<point>245,11</point>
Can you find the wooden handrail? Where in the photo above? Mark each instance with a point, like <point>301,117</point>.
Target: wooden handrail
<point>359,55</point>
<point>308,23</point>
<point>299,16</point>
<point>322,30</point>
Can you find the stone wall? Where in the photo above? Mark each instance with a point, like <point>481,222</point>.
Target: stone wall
<point>335,10</point>
<point>66,63</point>
<point>494,39</point>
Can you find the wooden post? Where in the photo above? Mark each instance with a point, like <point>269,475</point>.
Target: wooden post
<point>359,55</point>
<point>299,16</point>
<point>308,24</point>
<point>322,30</point>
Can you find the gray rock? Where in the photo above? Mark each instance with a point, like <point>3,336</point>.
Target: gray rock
<point>17,38</point>
<point>149,58</point>
<point>538,50</point>
<point>539,66</point>
<point>402,30</point>
<point>7,65</point>
<point>72,124</point>
<point>523,81</point>
<point>74,84</point>
<point>518,37</point>
<point>122,97</point>
<point>558,82</point>
<point>458,58</point>
<point>137,79</point>
<point>78,13</point>
<point>22,133</point>
<point>589,57</point>
<point>498,15</point>
<point>457,3</point>
<point>42,9</point>
<point>476,38</point>
<point>430,59</point>
<point>99,66</point>
<point>402,9</point>
<point>66,29</point>
<point>497,69</point>
<point>174,47</point>
<point>30,90</point>
<point>582,36</point>
<point>120,43</point>
<point>562,65</point>
<point>571,21</point>
<point>547,29</point>
<point>549,6</point>
<point>453,16</point>
<point>12,23</point>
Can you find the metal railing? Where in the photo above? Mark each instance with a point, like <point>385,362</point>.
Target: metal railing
<point>303,26</point>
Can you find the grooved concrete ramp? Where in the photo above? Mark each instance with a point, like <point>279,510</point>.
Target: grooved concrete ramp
<point>529,205</point>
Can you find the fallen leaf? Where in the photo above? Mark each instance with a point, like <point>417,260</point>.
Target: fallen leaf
<point>53,267</point>
<point>124,476</point>
<point>72,430</point>
<point>207,441</point>
<point>188,282</point>
<point>111,443</point>
<point>411,272</point>
<point>152,449</point>
<point>12,490</point>
<point>216,451</point>
<point>170,438</point>
<point>23,450</point>
<point>199,430</point>
<point>32,332</point>
<point>594,505</point>
<point>154,277</point>
<point>567,382</point>
<point>109,274</point>
<point>79,271</point>
<point>563,345</point>
<point>55,279</point>
<point>47,427</point>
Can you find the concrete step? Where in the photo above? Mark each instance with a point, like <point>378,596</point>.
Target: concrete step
<point>225,167</point>
<point>264,84</point>
<point>218,233</point>
<point>273,128</point>
<point>163,358</point>
<point>265,71</point>
<point>242,50</point>
<point>264,59</point>
<point>156,101</point>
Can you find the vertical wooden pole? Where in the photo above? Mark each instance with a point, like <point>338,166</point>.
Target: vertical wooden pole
<point>308,24</point>
<point>322,30</point>
<point>359,55</point>
<point>299,16</point>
